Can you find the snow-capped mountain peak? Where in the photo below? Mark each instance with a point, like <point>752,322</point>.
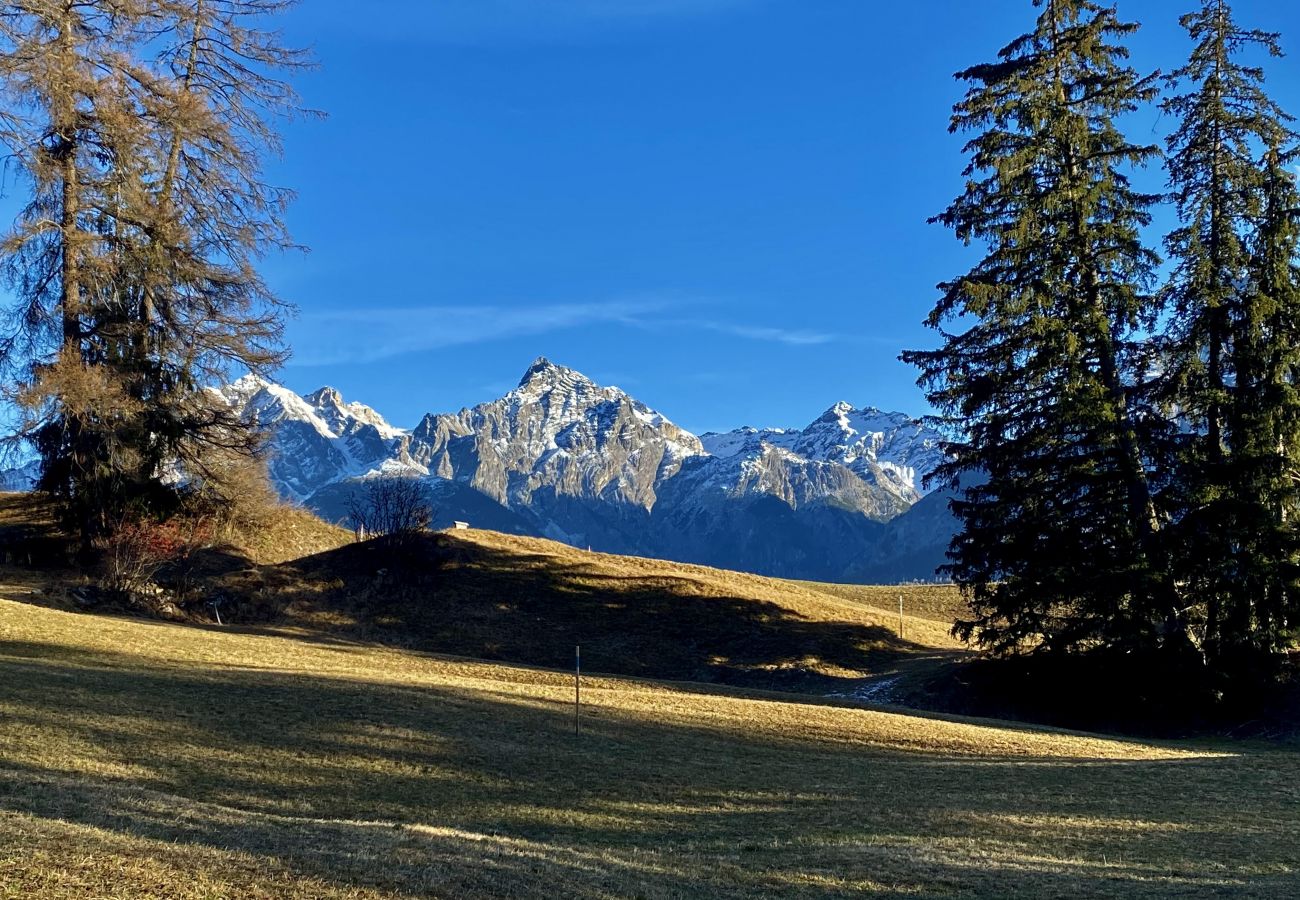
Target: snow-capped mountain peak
<point>545,378</point>
<point>558,432</point>
<point>563,456</point>
<point>317,439</point>
<point>732,443</point>
<point>324,396</point>
<point>891,449</point>
<point>267,403</point>
<point>544,373</point>
<point>343,417</point>
<point>240,391</point>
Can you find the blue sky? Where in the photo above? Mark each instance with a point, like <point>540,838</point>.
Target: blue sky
<point>719,205</point>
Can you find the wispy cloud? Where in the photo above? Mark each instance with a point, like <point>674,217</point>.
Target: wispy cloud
<point>368,335</point>
<point>334,337</point>
<point>793,337</point>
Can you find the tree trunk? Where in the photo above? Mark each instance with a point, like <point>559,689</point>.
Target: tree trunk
<point>66,129</point>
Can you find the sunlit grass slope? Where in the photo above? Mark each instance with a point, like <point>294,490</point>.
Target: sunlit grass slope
<point>523,600</point>
<point>154,760</point>
<point>528,600</point>
<point>936,602</point>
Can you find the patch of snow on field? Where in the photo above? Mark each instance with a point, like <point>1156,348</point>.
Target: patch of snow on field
<point>883,690</point>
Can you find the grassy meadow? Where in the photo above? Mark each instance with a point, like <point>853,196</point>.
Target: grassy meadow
<point>527,600</point>
<point>146,759</point>
<point>385,722</point>
<point>941,603</point>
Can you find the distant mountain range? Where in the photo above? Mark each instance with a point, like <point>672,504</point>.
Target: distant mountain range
<point>563,457</point>
<point>21,477</point>
<point>560,456</point>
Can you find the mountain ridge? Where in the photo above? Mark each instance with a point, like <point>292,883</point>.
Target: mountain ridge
<point>562,457</point>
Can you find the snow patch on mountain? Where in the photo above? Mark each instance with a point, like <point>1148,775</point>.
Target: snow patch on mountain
<point>883,447</point>
<point>733,443</point>
<point>318,439</point>
<point>565,457</point>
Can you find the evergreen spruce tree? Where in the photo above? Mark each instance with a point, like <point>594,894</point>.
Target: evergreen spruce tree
<point>1258,613</point>
<point>1228,345</point>
<point>1042,352</point>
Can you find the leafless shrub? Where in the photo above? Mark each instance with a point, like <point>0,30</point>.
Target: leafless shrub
<point>235,491</point>
<point>136,549</point>
<point>383,507</point>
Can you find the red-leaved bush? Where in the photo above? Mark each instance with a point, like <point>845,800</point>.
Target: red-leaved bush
<point>138,548</point>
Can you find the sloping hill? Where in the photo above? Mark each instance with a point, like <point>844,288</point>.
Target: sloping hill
<point>30,536</point>
<point>527,600</point>
<point>143,759</point>
<point>941,603</point>
<point>489,595</point>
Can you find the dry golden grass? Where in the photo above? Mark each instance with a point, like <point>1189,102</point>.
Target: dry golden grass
<point>28,530</point>
<point>290,533</point>
<point>935,602</point>
<point>140,759</point>
<point>281,532</point>
<point>808,600</point>
<point>25,509</point>
<point>528,600</point>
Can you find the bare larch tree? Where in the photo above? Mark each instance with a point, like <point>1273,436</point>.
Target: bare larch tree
<point>138,130</point>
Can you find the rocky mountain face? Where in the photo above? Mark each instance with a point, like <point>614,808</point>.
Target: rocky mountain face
<point>20,478</point>
<point>556,439</point>
<point>566,458</point>
<point>317,440</point>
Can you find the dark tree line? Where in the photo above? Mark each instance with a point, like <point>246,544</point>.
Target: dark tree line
<point>137,131</point>
<point>1125,445</point>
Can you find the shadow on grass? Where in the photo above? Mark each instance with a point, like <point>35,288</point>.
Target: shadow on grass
<point>1118,693</point>
<point>447,596</point>
<point>467,792</point>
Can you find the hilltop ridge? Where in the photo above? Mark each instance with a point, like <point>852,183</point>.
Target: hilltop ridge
<point>489,595</point>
